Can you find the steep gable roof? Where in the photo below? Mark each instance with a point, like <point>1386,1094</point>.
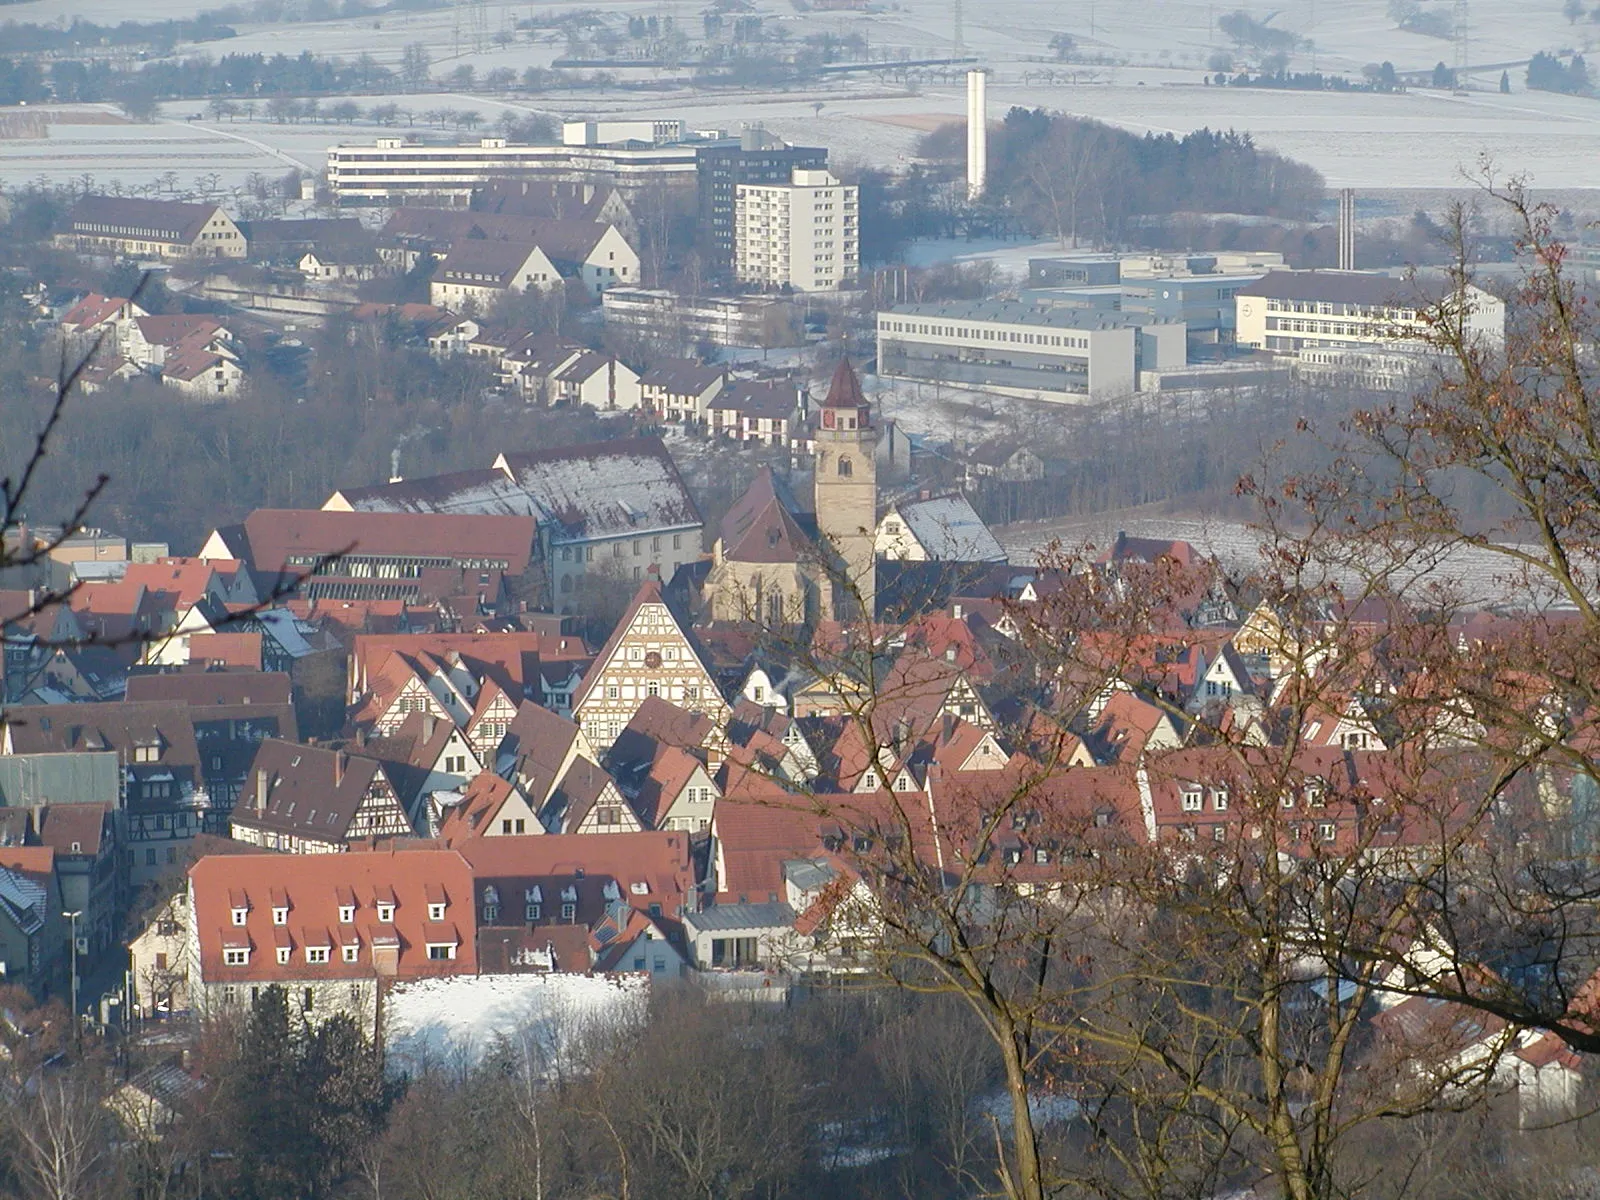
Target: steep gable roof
<point>310,792</point>
<point>648,595</point>
<point>844,391</point>
<point>761,527</point>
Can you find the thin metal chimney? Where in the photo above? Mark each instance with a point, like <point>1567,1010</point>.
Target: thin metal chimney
<point>977,131</point>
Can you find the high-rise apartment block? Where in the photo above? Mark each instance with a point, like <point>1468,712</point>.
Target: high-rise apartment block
<point>803,233</point>
<point>754,157</point>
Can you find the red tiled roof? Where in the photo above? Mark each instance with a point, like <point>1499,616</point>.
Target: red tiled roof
<point>312,884</point>
<point>277,535</point>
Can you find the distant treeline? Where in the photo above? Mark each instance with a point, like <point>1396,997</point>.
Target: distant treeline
<point>20,38</point>
<point>240,75</point>
<point>1072,178</point>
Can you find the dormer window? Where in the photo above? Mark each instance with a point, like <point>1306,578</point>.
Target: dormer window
<point>316,954</point>
<point>283,956</point>
<point>280,916</point>
<point>240,914</point>
<point>347,914</point>
<point>350,953</point>
<point>1192,799</point>
<point>236,957</point>
<point>1219,799</point>
<point>386,913</point>
<point>435,912</point>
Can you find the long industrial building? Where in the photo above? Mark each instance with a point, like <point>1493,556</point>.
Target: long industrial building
<point>1024,350</point>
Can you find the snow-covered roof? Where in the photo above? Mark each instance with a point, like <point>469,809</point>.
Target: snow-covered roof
<point>624,488</point>
<point>606,489</point>
<point>23,898</point>
<point>950,530</point>
<point>285,629</point>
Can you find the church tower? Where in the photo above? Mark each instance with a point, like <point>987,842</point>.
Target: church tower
<point>847,495</point>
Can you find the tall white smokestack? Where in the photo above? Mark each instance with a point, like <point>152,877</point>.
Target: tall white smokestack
<point>977,132</point>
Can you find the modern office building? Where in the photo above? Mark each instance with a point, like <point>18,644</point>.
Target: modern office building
<point>802,234</point>
<point>755,158</point>
<point>1027,350</point>
<point>394,171</point>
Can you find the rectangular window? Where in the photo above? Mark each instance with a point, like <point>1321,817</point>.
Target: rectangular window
<point>438,953</point>
<point>350,953</point>
<point>316,954</point>
<point>236,958</point>
<point>532,912</point>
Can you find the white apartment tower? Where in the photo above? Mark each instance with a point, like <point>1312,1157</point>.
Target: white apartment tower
<point>803,233</point>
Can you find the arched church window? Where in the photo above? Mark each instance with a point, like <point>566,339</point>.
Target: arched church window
<point>845,467</point>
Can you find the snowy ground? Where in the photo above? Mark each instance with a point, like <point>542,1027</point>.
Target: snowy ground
<point>1157,51</point>
<point>457,1019</point>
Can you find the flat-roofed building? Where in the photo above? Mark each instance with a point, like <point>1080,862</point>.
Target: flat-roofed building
<point>1025,350</point>
<point>395,171</point>
<point>802,233</point>
<point>1287,312</point>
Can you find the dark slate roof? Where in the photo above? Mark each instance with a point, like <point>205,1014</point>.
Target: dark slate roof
<point>158,220</point>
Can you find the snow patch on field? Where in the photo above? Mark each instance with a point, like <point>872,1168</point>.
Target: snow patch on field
<point>454,1019</point>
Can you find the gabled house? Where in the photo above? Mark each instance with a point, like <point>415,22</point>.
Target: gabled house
<point>588,800</point>
<point>681,389</point>
<point>309,800</point>
<point>489,807</point>
<point>538,750</point>
<point>600,381</point>
<point>476,273</point>
<point>651,654</point>
<point>146,229</point>
<point>937,529</point>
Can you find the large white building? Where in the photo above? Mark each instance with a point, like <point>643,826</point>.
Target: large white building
<point>1292,312</point>
<point>395,171</point>
<point>802,234</point>
<point>1025,350</point>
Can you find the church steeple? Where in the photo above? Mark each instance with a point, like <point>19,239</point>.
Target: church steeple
<point>846,492</point>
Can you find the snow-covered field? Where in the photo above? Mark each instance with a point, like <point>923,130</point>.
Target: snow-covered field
<point>1158,50</point>
<point>545,1016</point>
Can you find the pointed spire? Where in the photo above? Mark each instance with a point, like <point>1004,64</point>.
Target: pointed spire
<point>845,390</point>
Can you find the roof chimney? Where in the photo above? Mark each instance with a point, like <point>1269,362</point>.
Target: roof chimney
<point>261,790</point>
<point>338,767</point>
